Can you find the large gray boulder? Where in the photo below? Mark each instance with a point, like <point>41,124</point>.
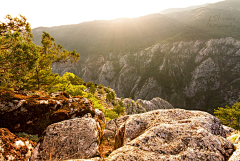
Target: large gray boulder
<point>71,139</point>
<point>174,135</point>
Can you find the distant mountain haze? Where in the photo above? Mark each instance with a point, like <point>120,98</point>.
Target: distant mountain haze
<point>171,10</point>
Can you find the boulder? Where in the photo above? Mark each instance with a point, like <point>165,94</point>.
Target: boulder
<point>70,139</point>
<point>13,148</point>
<point>173,134</point>
<point>234,138</point>
<point>92,159</point>
<point>108,134</point>
<point>228,130</point>
<point>114,124</point>
<point>100,115</point>
<point>236,154</point>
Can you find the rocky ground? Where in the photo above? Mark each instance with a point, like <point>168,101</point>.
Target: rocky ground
<point>81,133</point>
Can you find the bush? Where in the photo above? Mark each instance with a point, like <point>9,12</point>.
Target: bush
<point>92,90</point>
<point>110,96</point>
<point>96,102</point>
<point>89,84</point>
<point>229,116</point>
<point>111,114</point>
<point>119,109</point>
<point>100,86</point>
<point>75,90</point>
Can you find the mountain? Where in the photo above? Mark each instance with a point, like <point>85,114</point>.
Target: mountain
<point>171,10</point>
<point>188,58</point>
<point>193,75</point>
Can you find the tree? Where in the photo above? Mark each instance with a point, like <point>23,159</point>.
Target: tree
<point>50,52</point>
<point>229,116</point>
<point>18,54</point>
<point>24,64</point>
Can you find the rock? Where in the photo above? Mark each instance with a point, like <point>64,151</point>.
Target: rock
<point>108,134</point>
<point>234,138</point>
<point>32,114</point>
<point>236,154</point>
<point>100,115</point>
<point>114,124</point>
<point>155,104</point>
<point>228,130</point>
<point>13,148</point>
<point>111,125</point>
<point>57,94</point>
<point>173,134</point>
<point>92,159</point>
<point>70,139</point>
<point>141,106</point>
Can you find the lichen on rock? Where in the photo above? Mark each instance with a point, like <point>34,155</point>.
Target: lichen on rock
<point>173,134</point>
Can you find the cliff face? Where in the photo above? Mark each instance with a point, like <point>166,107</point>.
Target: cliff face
<point>193,75</point>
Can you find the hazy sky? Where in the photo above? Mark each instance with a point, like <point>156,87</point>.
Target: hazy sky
<point>61,12</point>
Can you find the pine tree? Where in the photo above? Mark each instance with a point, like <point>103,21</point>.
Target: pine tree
<point>18,54</point>
<point>50,53</point>
<point>24,64</point>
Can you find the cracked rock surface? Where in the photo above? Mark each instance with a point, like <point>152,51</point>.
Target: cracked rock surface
<point>71,139</point>
<point>173,134</point>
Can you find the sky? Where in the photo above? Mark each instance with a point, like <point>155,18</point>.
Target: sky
<point>50,13</point>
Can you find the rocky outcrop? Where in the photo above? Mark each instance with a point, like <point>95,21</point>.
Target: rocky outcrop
<point>228,130</point>
<point>173,134</point>
<point>235,139</point>
<point>92,159</point>
<point>32,114</point>
<point>13,148</point>
<point>141,106</point>
<point>236,154</point>
<point>112,126</point>
<point>70,139</point>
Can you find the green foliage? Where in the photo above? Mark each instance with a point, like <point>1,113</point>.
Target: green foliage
<point>96,102</point>
<point>18,54</point>
<point>100,86</point>
<point>74,80</point>
<point>50,52</point>
<point>110,96</point>
<point>89,84</point>
<point>33,138</point>
<point>119,109</point>
<point>75,90</point>
<point>92,90</point>
<point>100,91</point>
<point>111,114</point>
<point>24,64</point>
<point>63,83</point>
<point>229,116</point>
